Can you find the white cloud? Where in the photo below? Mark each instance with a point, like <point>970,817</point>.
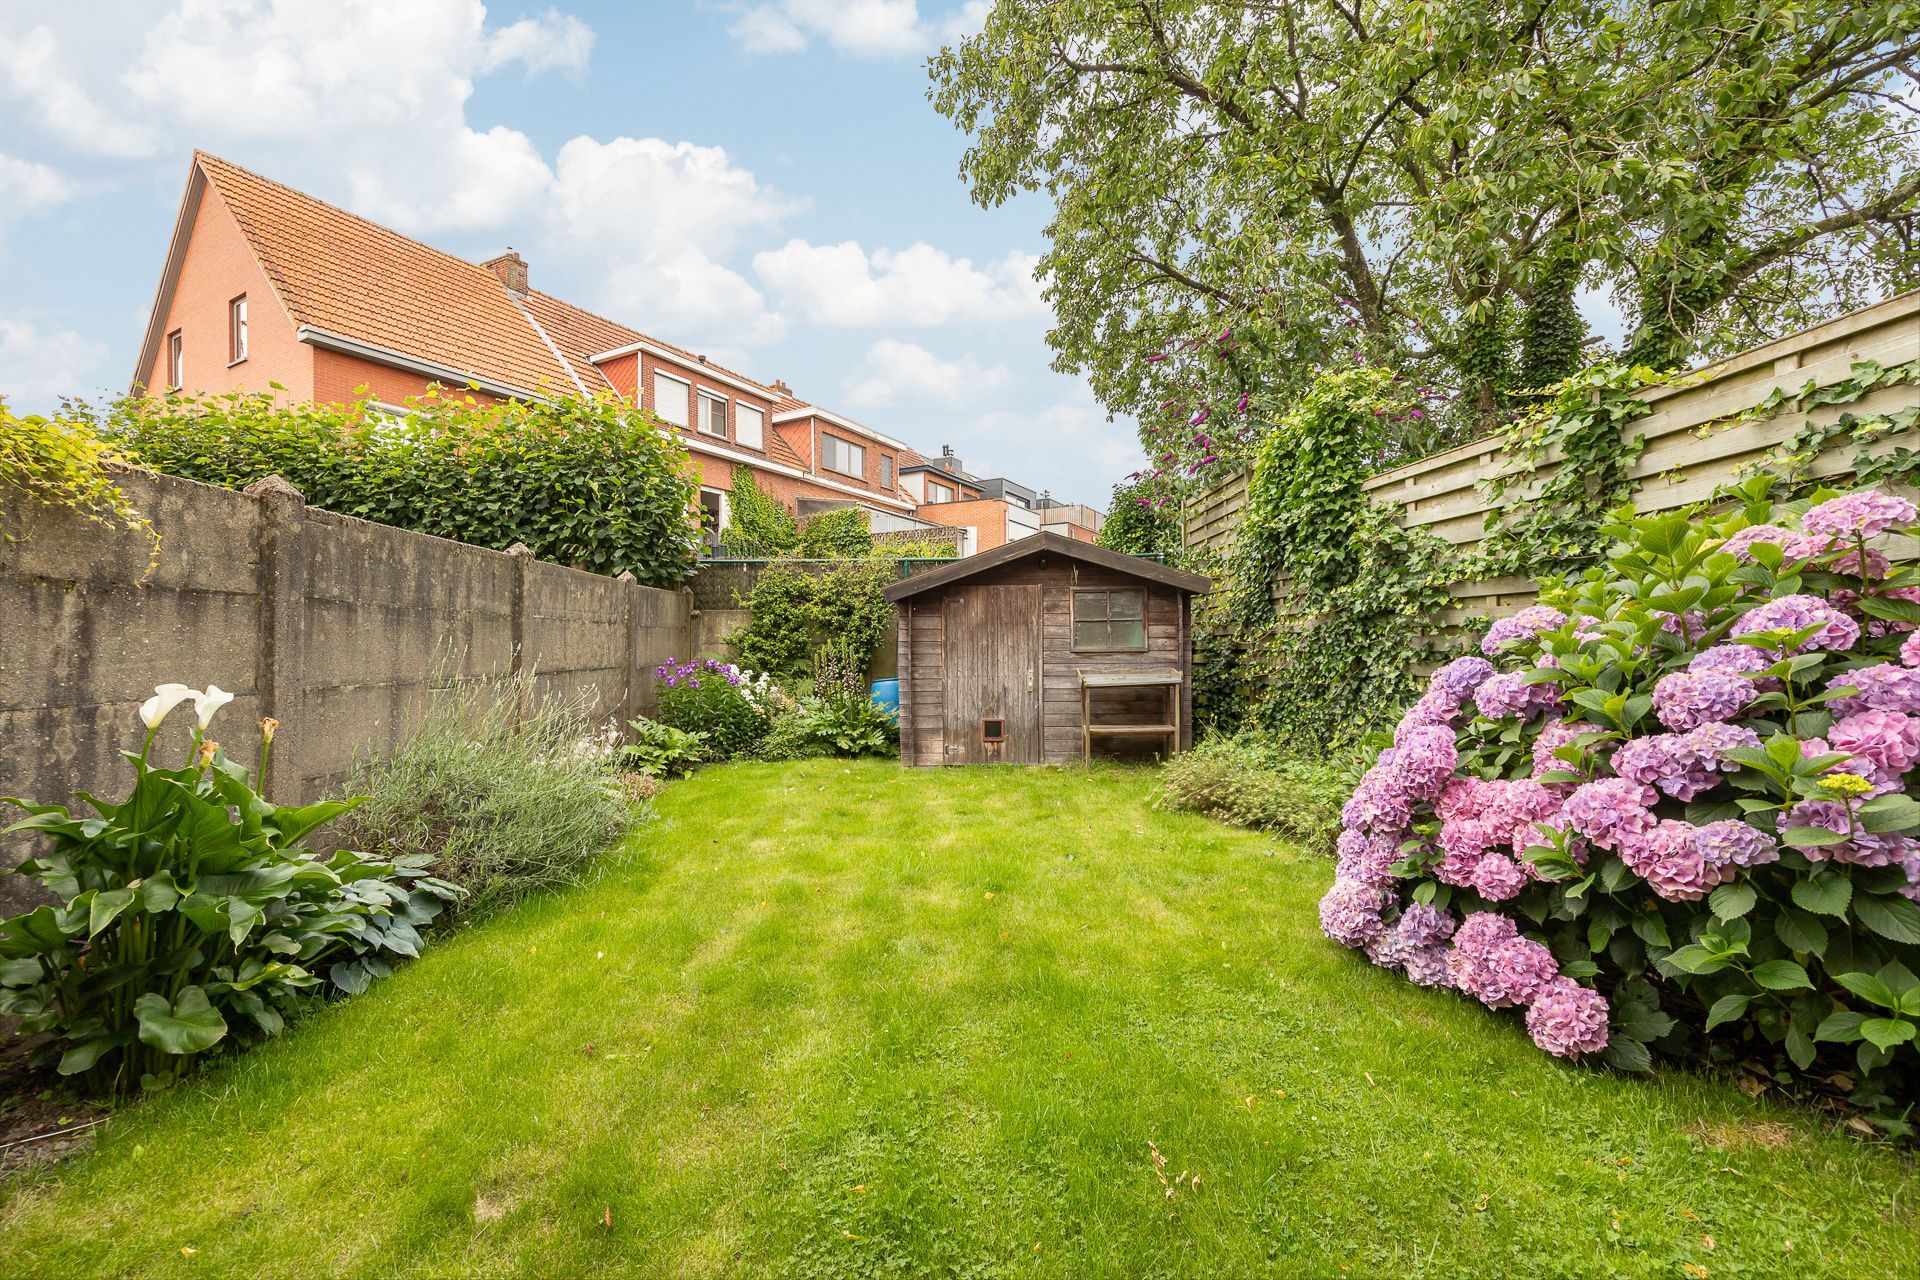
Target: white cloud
<point>35,72</point>
<point>40,365</point>
<point>554,41</point>
<point>894,372</point>
<point>655,219</point>
<point>866,28</point>
<point>394,78</point>
<point>842,285</point>
<point>32,187</point>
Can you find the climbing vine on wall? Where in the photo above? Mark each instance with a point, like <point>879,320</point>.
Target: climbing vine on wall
<point>1332,608</point>
<point>64,464</point>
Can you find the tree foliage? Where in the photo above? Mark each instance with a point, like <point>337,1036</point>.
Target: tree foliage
<point>1429,183</point>
<point>1143,519</point>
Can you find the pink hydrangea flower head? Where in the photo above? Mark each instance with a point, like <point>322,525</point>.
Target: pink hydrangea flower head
<point>1460,677</point>
<point>1736,660</point>
<point>1877,566</point>
<point>1866,514</point>
<point>1422,924</point>
<point>1352,913</point>
<point>1569,1020</point>
<point>1366,859</point>
<point>1470,962</point>
<point>1667,761</point>
<point>1555,734</point>
<point>1836,631</point>
<point>1667,858</point>
<point>1427,966</point>
<point>1515,971</point>
<point>1508,694</point>
<point>1861,848</point>
<point>1884,687</point>
<point>1497,877</point>
<point>1524,625</point>
<point>1793,546</point>
<point>1910,650</point>
<point>1425,761</point>
<point>1684,700</point>
<point>1732,843</point>
<point>1608,810</point>
<point>1889,740</point>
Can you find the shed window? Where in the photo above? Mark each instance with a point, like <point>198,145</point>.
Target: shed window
<point>994,730</point>
<point>1109,620</point>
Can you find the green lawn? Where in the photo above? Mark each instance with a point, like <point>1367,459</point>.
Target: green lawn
<point>842,1019</point>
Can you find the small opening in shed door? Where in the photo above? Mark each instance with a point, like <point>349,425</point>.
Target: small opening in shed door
<point>993,730</point>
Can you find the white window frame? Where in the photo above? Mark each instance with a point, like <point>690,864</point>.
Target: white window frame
<point>726,506</point>
<point>935,490</point>
<point>686,406</point>
<point>702,398</point>
<point>742,412</point>
<point>236,330</point>
<point>827,442</point>
<point>176,360</point>
<point>886,471</point>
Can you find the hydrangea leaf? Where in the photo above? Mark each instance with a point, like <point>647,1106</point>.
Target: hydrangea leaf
<point>1890,917</point>
<point>1826,892</point>
<point>1781,975</point>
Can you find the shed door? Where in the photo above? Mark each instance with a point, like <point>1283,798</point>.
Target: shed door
<point>993,675</point>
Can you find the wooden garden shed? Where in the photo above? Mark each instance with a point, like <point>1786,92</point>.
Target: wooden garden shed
<point>1043,651</point>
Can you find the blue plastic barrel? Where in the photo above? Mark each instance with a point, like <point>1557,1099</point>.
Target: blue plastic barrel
<point>887,694</point>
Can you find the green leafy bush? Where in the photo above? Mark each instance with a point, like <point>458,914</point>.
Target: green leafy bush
<point>505,792</point>
<point>835,535</point>
<point>189,915</point>
<point>812,727</point>
<point>730,708</point>
<point>796,607</point>
<point>585,482</point>
<point>1251,781</point>
<point>662,751</point>
<point>758,524</point>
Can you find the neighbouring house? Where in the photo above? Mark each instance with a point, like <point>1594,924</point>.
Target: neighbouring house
<point>265,285</point>
<point>989,512</point>
<point>1042,651</point>
<point>1074,520</point>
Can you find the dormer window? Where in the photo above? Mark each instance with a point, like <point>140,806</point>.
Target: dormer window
<point>670,398</point>
<point>937,492</point>
<point>843,456</point>
<point>713,414</point>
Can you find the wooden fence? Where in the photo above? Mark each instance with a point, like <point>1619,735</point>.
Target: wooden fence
<point>1691,446</point>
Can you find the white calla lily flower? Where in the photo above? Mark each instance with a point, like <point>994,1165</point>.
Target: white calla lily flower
<point>165,698</point>
<point>209,702</point>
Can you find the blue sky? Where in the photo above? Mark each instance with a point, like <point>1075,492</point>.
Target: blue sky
<point>764,181</point>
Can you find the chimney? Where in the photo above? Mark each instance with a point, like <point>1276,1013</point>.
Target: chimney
<point>780,385</point>
<point>511,268</point>
<point>949,463</point>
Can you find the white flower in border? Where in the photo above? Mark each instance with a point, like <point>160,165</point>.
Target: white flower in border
<point>165,698</point>
<point>209,702</point>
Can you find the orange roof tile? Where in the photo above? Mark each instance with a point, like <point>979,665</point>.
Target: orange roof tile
<point>340,273</point>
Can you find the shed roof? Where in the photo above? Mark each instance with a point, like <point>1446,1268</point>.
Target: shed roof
<point>1049,544</point>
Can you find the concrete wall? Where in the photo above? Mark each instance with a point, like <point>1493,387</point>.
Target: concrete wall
<point>337,627</point>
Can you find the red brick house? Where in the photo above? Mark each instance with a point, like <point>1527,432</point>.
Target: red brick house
<point>265,285</point>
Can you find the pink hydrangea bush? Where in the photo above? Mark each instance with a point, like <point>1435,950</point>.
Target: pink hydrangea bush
<point>1670,805</point>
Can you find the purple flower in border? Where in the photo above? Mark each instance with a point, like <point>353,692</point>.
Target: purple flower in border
<point>1427,966</point>
<point>1890,740</point>
<point>1667,858</point>
<point>1732,843</point>
<point>1508,694</point>
<point>1884,687</point>
<point>1735,660</point>
<point>1910,650</point>
<point>1498,877</point>
<point>1569,1020</point>
<point>1555,734</point>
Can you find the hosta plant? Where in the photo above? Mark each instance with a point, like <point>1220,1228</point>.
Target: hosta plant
<point>189,916</point>
<point>1669,809</point>
<point>662,751</point>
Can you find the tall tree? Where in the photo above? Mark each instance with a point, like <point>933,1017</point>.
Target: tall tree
<point>1430,182</point>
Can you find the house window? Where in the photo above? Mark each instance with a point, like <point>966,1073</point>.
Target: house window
<point>237,330</point>
<point>748,426</point>
<point>670,396</point>
<point>937,492</point>
<point>713,516</point>
<point>886,471</point>
<point>176,361</point>
<point>844,456</point>
<point>713,414</point>
<point>1108,620</point>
